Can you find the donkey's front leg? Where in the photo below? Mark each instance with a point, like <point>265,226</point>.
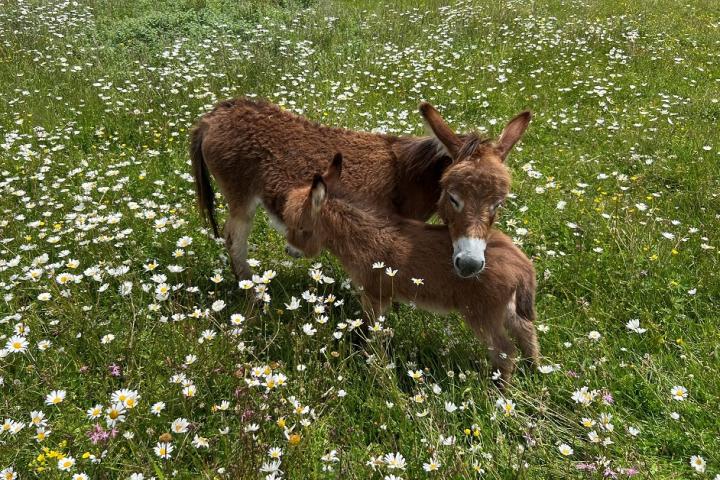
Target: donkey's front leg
<point>373,307</point>
<point>490,326</point>
<point>237,229</point>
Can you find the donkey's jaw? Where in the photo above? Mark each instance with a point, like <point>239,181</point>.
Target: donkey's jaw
<point>469,256</point>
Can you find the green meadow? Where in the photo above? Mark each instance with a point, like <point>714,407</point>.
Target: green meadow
<point>128,350</point>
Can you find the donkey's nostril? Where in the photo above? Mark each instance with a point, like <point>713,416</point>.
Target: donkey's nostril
<point>468,266</point>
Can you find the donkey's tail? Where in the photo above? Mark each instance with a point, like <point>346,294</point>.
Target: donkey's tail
<point>525,298</point>
<point>203,188</point>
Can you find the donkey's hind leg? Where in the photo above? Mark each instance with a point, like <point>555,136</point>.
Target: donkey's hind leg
<point>523,331</point>
<point>525,335</point>
<point>237,229</point>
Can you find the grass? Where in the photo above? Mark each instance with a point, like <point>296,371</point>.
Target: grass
<point>615,197</point>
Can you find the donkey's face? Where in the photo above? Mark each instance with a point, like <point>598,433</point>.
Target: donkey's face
<point>473,186</point>
<point>303,208</point>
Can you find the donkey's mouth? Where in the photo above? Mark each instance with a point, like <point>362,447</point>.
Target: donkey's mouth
<point>467,267</point>
<point>469,273</point>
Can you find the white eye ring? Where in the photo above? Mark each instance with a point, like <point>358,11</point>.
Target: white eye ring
<point>455,201</point>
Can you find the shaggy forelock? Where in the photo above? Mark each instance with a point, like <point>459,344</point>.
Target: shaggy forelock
<point>472,143</point>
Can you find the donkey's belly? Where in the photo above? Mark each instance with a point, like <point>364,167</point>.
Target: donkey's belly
<point>433,307</point>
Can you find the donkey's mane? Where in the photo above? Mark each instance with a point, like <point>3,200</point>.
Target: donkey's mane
<point>417,155</point>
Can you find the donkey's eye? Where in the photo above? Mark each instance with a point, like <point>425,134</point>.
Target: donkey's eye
<point>455,201</point>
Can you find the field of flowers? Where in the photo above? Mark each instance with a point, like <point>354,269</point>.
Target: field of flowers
<point>128,350</point>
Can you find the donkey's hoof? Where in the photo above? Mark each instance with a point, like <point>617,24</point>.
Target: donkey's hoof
<point>243,273</point>
<point>293,252</point>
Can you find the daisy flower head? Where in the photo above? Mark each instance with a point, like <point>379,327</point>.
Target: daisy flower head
<point>55,397</point>
<point>189,391</point>
<point>698,463</point>
<point>179,425</point>
<point>16,344</point>
<point>394,461</point>
<point>164,450</point>
<point>634,326</point>
<point>37,418</point>
<point>679,393</point>
<point>584,396</point>
<point>129,398</point>
<point>293,305</point>
<point>200,442</point>
<point>94,412</point>
<point>565,450</point>
<point>432,466</point>
<point>8,474</point>
<point>66,463</point>
<point>157,407</point>
<point>41,434</point>
<point>184,242</point>
<point>506,405</point>
<point>115,414</point>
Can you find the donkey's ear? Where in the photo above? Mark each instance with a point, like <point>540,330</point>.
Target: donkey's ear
<point>512,133</point>
<point>435,123</point>
<point>332,174</point>
<point>318,193</point>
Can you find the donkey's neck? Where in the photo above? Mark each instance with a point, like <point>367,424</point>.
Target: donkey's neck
<point>353,232</point>
<point>420,165</point>
<point>419,155</point>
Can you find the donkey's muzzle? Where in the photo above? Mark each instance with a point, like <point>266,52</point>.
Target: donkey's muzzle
<point>467,266</point>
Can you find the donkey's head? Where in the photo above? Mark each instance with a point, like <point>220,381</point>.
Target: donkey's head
<point>303,209</point>
<point>474,186</point>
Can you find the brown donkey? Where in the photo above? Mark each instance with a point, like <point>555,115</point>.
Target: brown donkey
<point>258,152</point>
<point>498,301</point>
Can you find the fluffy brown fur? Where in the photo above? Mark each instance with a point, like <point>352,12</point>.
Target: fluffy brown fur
<point>258,152</point>
<point>500,300</point>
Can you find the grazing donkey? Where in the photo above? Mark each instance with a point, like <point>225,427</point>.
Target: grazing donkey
<point>258,152</point>
<point>498,301</point>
